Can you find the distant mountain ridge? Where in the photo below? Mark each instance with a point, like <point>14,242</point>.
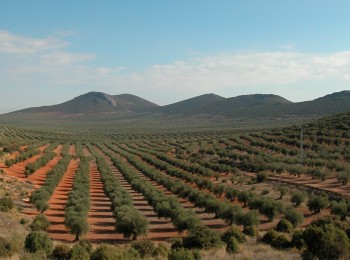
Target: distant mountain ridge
<point>246,105</point>
<point>96,102</point>
<point>192,104</point>
<point>93,105</point>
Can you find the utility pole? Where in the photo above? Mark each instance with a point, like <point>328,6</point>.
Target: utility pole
<point>301,144</point>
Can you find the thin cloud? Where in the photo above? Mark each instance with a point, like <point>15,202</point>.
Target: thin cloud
<point>288,47</point>
<point>248,69</point>
<point>48,63</point>
<point>17,44</point>
<point>64,58</point>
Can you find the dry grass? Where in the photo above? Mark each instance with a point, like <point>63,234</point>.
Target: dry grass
<point>251,250</point>
<point>13,187</point>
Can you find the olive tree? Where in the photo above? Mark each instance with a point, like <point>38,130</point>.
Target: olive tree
<point>130,222</point>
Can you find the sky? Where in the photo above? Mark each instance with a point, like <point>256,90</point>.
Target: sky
<point>166,51</point>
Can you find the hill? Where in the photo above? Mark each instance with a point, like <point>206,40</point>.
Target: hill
<point>192,105</point>
<point>246,105</point>
<point>95,103</point>
<point>101,110</point>
<point>337,102</point>
<point>265,105</point>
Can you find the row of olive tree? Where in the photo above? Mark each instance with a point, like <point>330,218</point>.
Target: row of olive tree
<point>187,166</point>
<point>78,203</point>
<point>222,209</point>
<point>165,206</point>
<point>129,221</point>
<point>26,154</point>
<point>42,161</point>
<point>41,196</point>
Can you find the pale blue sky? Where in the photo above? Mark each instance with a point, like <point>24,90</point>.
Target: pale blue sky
<point>166,51</point>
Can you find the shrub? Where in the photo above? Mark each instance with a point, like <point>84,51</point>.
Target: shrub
<point>297,240</point>
<point>197,254</point>
<point>202,237</point>
<point>6,249</point>
<point>144,247</point>
<point>181,254</point>
<point>269,236</point>
<point>38,240</point>
<point>176,242</point>
<point>261,177</point>
<point>250,231</point>
<point>297,197</point>
<point>326,241</point>
<point>283,191</point>
<point>23,221</point>
<point>86,245</point>
<point>6,203</point>
<point>281,242</point>
<point>161,251</point>
<point>41,205</point>
<point>232,246</point>
<point>284,226</point>
<point>275,239</point>
<point>79,252</point>
<point>40,222</point>
<point>293,217</point>
<point>113,252</point>
<point>265,192</point>
<point>61,252</point>
<point>321,222</point>
<point>233,231</point>
<point>306,255</point>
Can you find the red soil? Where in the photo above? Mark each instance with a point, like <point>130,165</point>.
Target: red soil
<point>86,151</point>
<point>55,213</point>
<point>159,229</point>
<point>7,157</point>
<point>39,176</point>
<point>100,218</point>
<point>17,170</point>
<point>264,223</point>
<point>23,147</point>
<point>72,150</point>
<point>208,219</point>
<point>331,184</point>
